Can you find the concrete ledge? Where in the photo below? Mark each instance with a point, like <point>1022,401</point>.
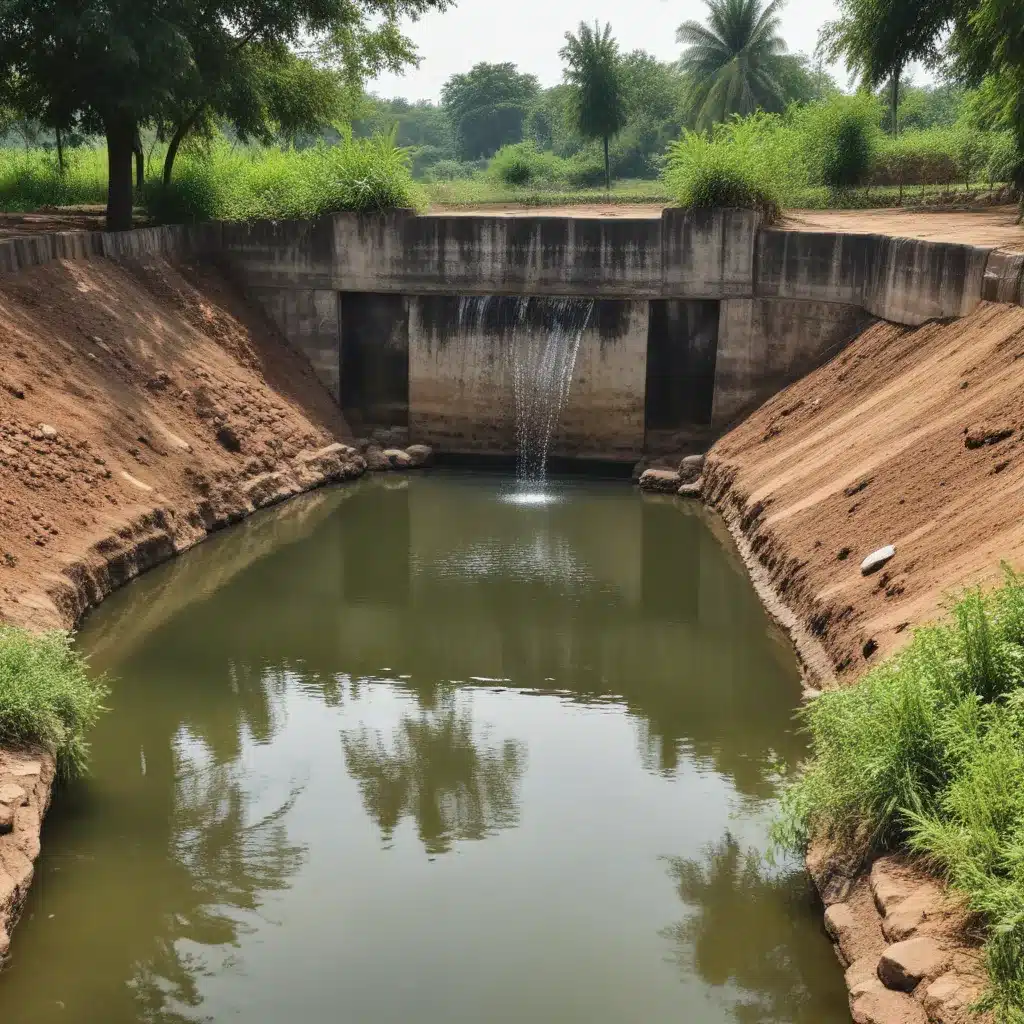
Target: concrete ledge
<point>687,254</point>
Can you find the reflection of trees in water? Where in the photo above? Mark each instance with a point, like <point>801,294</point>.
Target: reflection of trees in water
<point>231,863</point>
<point>749,930</point>
<point>436,772</point>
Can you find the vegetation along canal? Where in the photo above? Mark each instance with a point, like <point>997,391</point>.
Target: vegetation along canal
<point>420,750</point>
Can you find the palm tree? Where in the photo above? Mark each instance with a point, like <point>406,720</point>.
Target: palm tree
<point>735,61</point>
<point>594,70</point>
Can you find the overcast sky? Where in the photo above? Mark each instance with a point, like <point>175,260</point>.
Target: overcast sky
<point>530,33</point>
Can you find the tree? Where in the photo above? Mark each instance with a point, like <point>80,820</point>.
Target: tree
<point>488,107</point>
<point>737,62</point>
<point>119,64</point>
<point>879,38</point>
<point>594,69</point>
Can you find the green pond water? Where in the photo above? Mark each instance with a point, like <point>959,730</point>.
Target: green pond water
<point>411,751</point>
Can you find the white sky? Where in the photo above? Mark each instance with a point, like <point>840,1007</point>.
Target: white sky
<point>531,32</point>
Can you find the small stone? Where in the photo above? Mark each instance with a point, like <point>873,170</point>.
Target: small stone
<point>421,455</point>
<point>840,925</point>
<point>664,481</point>
<point>904,965</point>
<point>978,437</point>
<point>906,917</point>
<point>375,460</point>
<point>694,490</point>
<point>877,559</point>
<point>24,769</point>
<point>48,432</point>
<point>947,997</point>
<point>884,1007</point>
<point>889,887</point>
<point>13,795</point>
<point>691,468</point>
<point>398,458</point>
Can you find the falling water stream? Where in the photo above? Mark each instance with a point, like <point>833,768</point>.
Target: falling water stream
<point>543,341</point>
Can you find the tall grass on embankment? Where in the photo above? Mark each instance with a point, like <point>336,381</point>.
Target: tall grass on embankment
<point>926,755</point>
<point>32,179</point>
<point>251,183</point>
<point>224,181</point>
<point>47,696</point>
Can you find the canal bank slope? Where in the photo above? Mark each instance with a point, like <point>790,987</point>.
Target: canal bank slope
<point>143,404</point>
<point>912,438</point>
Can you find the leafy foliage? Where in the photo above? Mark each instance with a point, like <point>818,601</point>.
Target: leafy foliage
<point>842,141</point>
<point>47,696</point>
<point>116,66</point>
<point>927,754</point>
<point>736,61</point>
<point>487,108</point>
<point>593,69</point>
<point>728,170</point>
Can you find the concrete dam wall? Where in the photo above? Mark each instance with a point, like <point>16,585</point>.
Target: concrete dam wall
<point>695,317</point>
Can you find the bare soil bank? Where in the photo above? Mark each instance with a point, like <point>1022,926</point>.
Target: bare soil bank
<point>910,437</point>
<point>142,405</point>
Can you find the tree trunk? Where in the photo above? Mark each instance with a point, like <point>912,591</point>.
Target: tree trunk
<point>120,131</point>
<point>176,140</point>
<point>140,160</point>
<point>60,151</point>
<point>607,168</point>
<point>894,101</point>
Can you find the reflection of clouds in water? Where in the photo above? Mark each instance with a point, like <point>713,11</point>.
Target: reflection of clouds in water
<point>540,558</point>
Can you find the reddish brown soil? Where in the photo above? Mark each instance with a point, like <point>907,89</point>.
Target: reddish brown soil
<point>870,450</point>
<point>167,394</point>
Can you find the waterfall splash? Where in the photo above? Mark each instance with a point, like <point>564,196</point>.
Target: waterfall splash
<point>540,340</point>
<point>546,341</point>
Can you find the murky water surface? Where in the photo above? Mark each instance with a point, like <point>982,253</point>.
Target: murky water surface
<point>425,750</point>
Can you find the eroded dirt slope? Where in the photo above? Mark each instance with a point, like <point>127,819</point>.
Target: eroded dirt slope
<point>910,437</point>
<point>138,402</point>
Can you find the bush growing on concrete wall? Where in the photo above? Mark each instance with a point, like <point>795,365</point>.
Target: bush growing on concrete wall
<point>741,165</point>
<point>927,755</point>
<point>47,696</point>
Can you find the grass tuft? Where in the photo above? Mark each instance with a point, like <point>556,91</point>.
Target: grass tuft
<point>47,696</point>
<point>926,755</point>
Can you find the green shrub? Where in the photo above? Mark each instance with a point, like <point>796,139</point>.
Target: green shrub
<point>840,137</point>
<point>47,696</point>
<point>523,164</point>
<point>927,755</point>
<point>724,171</point>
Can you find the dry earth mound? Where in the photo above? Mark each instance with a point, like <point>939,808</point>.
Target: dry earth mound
<point>912,438</point>
<point>141,405</point>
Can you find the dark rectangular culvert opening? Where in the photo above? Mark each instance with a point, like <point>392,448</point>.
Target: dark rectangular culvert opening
<point>374,361</point>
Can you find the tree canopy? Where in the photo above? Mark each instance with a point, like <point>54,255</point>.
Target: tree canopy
<point>594,70</point>
<point>488,106</point>
<point>114,65</point>
<point>737,61</point>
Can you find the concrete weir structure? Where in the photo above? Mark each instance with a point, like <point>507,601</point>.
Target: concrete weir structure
<point>697,317</point>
